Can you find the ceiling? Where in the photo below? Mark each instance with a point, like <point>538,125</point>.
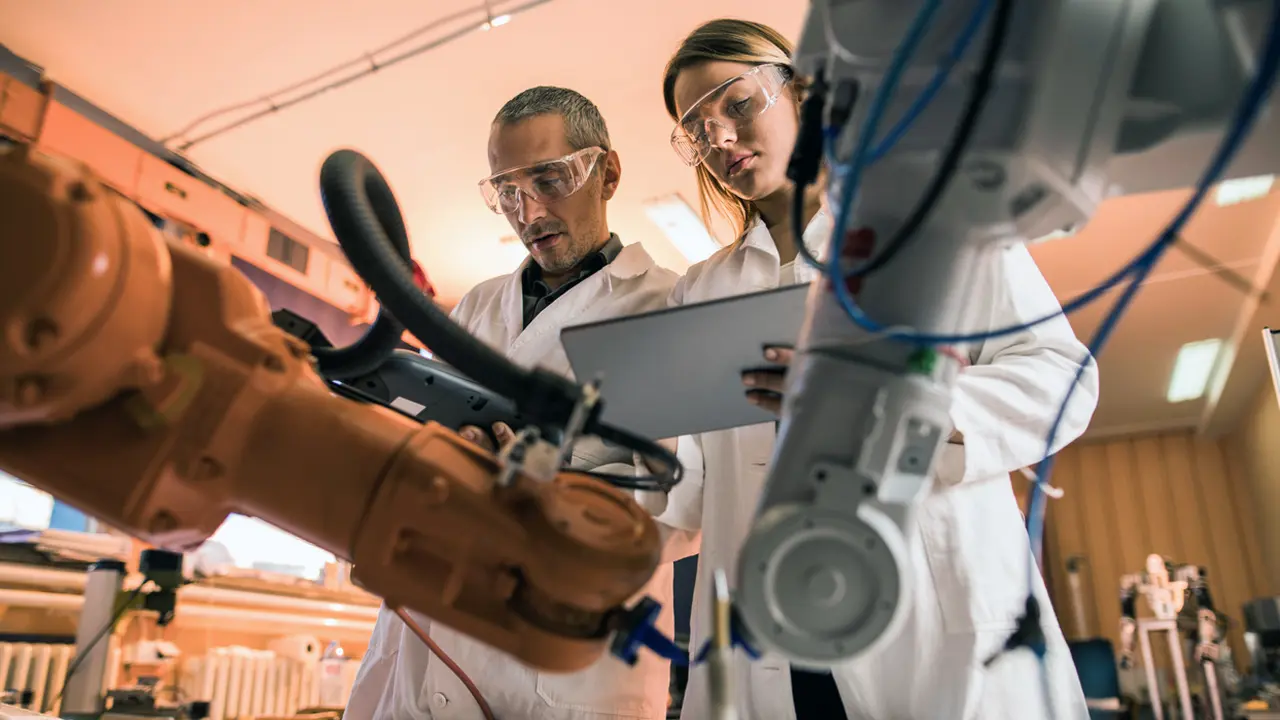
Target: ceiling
<point>159,65</point>
<point>1181,302</point>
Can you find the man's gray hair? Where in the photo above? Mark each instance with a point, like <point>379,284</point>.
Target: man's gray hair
<point>583,124</point>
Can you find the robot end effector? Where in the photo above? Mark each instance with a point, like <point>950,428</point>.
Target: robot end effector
<point>146,384</point>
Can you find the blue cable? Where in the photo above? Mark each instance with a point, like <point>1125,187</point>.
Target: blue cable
<point>1246,115</point>
<point>645,634</point>
<point>875,114</point>
<point>926,96</point>
<point>1136,271</point>
<point>939,79</point>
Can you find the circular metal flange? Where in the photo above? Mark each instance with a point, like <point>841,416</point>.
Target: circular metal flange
<point>821,585</point>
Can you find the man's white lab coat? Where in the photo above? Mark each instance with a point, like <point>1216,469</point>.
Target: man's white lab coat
<point>399,678</point>
<point>970,550</point>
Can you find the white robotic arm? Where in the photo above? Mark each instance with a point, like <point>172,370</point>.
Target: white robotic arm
<point>823,574</point>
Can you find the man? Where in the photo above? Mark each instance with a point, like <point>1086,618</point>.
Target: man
<point>553,176</point>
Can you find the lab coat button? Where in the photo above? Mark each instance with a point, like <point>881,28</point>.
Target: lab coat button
<point>439,700</point>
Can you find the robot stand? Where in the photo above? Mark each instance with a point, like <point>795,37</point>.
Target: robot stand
<point>1170,628</point>
<point>1211,688</point>
<point>84,689</point>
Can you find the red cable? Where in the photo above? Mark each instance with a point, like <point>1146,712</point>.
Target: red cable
<point>448,661</point>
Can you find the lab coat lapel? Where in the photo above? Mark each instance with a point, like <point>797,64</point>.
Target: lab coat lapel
<point>758,255</point>
<point>511,309</point>
<point>817,238</point>
<point>541,338</point>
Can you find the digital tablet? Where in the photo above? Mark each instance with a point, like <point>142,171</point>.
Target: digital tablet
<point>679,371</point>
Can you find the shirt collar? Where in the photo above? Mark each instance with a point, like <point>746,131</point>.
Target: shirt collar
<point>817,235</point>
<point>531,275</point>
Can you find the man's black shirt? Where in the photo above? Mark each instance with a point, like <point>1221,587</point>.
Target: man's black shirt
<point>538,295</point>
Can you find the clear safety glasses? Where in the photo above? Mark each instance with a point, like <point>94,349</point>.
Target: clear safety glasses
<point>733,105</point>
<point>545,182</point>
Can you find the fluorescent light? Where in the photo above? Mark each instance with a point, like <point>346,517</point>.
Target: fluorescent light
<point>1192,369</point>
<point>682,226</point>
<point>1241,190</point>
<point>496,22</point>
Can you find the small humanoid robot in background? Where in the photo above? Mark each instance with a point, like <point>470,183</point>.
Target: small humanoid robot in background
<point>1165,596</point>
<point>1211,637</point>
<point>1167,587</point>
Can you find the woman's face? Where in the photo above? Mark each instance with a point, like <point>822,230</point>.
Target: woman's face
<point>750,158</point>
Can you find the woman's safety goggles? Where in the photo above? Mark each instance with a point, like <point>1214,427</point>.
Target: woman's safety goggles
<point>733,105</point>
<point>545,182</point>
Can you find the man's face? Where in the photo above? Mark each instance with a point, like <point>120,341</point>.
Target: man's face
<point>557,234</point>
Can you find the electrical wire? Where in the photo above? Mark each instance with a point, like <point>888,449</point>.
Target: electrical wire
<point>83,655</point>
<point>955,151</point>
<point>380,341</point>
<point>1248,110</point>
<point>875,113</point>
<point>958,143</point>
<point>940,77</point>
<point>366,59</point>
<point>360,206</point>
<point>355,196</point>
<point>439,652</point>
<point>670,470</point>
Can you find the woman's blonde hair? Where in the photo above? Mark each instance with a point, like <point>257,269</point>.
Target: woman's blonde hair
<point>728,40</point>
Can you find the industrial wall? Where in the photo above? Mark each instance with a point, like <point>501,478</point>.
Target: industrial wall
<point>1186,497</point>
<point>1255,448</point>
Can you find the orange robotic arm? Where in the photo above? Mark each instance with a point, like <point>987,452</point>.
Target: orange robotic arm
<point>145,383</point>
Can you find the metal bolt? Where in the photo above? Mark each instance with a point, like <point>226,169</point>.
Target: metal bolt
<point>28,391</point>
<point>206,468</point>
<point>79,192</point>
<point>147,370</point>
<point>437,490</point>
<point>41,333</point>
<point>162,522</point>
<point>985,174</point>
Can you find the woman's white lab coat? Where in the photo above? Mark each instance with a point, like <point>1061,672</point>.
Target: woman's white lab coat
<point>399,678</point>
<point>970,552</point>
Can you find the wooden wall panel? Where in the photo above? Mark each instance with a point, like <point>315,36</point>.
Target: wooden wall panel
<point>1174,494</point>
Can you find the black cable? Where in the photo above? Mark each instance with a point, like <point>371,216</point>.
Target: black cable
<point>373,66</point>
<point>956,146</point>
<point>81,656</point>
<point>660,481</point>
<point>806,160</point>
<point>381,340</point>
<point>355,196</point>
<point>361,207</point>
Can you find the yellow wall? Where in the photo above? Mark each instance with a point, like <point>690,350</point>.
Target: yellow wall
<point>1255,453</point>
<point>1176,494</point>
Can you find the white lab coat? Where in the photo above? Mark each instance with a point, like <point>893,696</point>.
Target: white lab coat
<point>970,549</point>
<point>399,678</point>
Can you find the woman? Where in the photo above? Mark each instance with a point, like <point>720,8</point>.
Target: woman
<point>736,102</point>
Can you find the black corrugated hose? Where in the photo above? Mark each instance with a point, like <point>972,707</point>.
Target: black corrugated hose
<point>379,341</point>
<point>360,207</point>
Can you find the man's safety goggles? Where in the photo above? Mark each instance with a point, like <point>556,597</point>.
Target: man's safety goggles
<point>545,182</point>
<point>733,105</point>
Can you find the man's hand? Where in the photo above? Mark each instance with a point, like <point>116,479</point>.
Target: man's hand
<point>475,435</point>
<point>764,387</point>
